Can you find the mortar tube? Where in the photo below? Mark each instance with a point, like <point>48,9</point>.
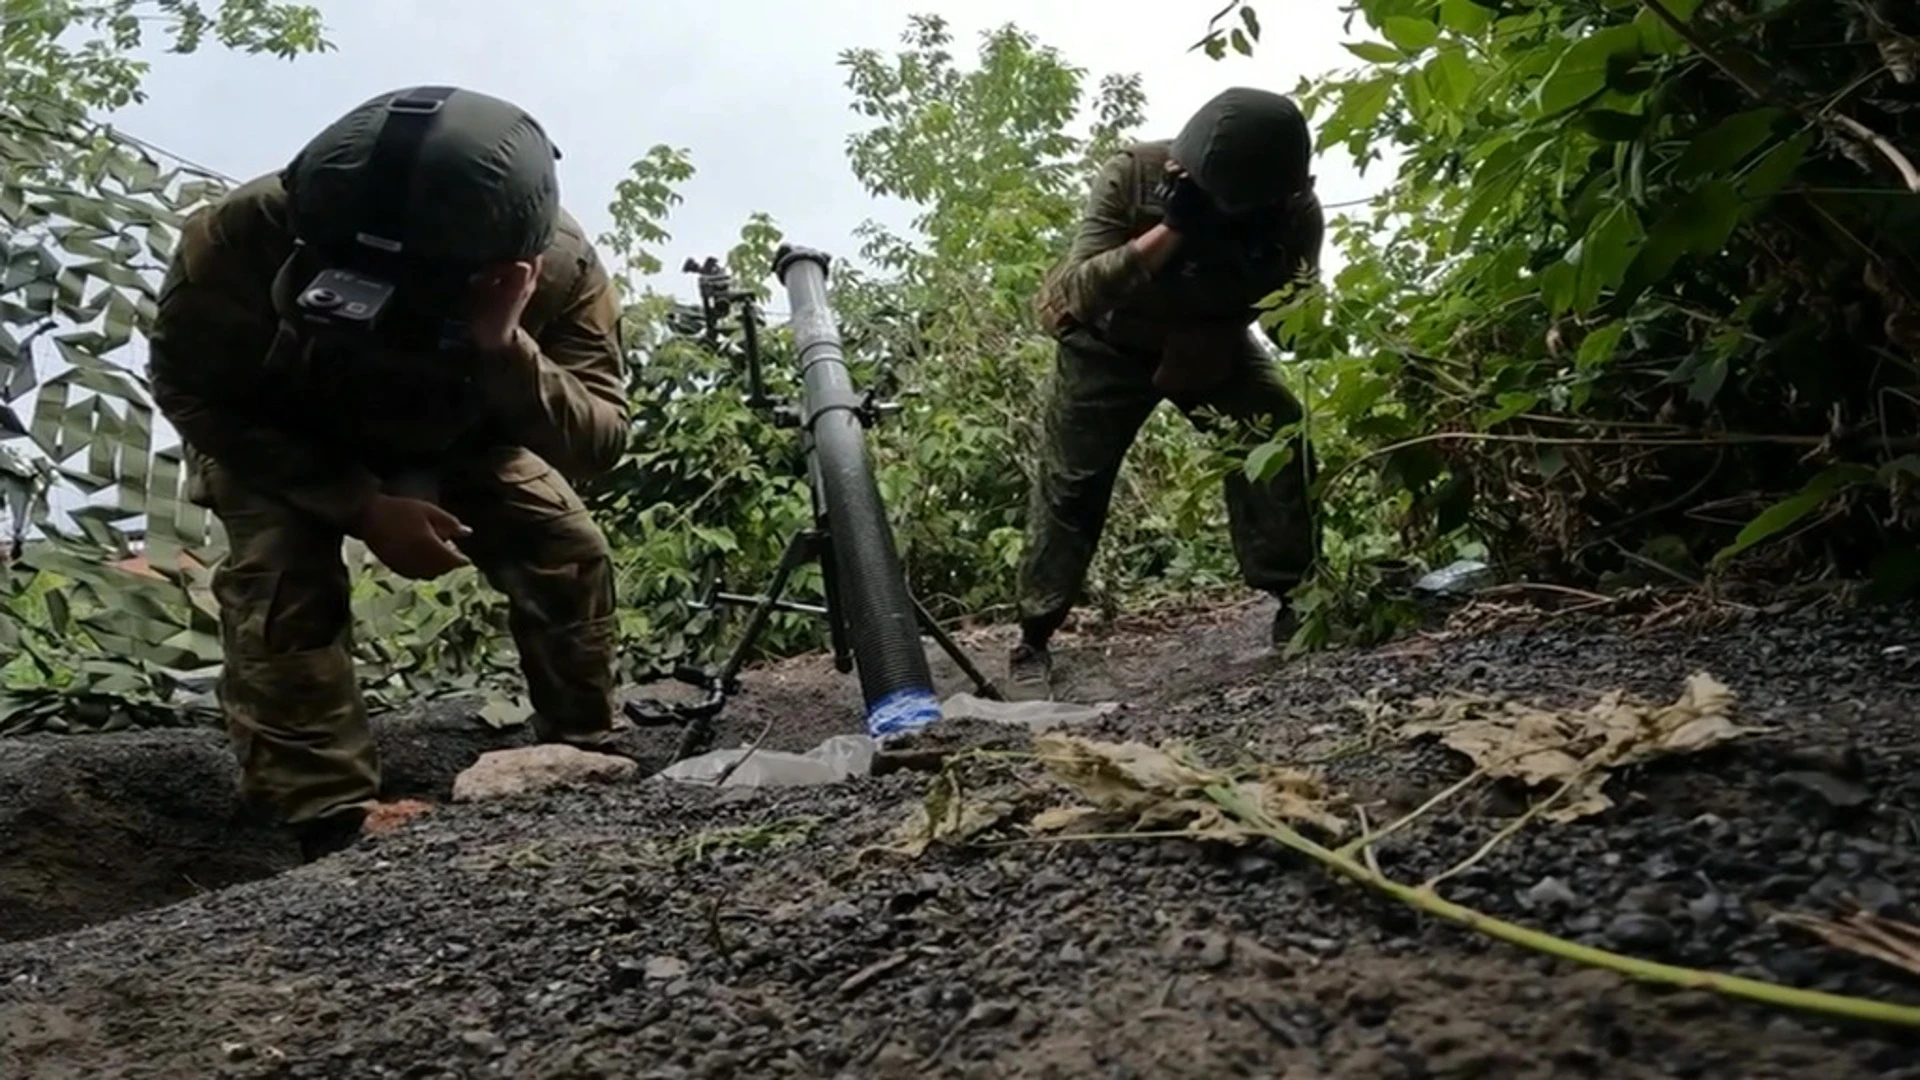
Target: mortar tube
<point>882,626</point>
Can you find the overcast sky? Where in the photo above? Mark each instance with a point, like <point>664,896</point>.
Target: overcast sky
<point>750,88</point>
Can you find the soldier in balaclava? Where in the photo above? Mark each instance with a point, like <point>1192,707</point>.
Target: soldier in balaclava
<point>1156,300</point>
<point>400,337</point>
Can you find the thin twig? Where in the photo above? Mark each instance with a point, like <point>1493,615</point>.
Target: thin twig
<point>765,730</point>
<point>1506,832</point>
<point>1544,586</point>
<point>1538,440</point>
<point>1368,839</point>
<point>1248,812</point>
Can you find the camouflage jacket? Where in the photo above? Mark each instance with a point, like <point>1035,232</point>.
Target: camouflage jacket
<point>1102,284</point>
<point>322,432</point>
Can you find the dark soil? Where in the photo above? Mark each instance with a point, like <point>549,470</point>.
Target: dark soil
<point>96,827</point>
<point>653,930</point>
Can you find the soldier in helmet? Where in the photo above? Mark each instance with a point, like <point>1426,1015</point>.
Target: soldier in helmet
<point>400,337</point>
<point>1155,301</point>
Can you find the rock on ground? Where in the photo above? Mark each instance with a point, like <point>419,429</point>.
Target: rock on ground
<point>658,930</point>
<point>525,770</point>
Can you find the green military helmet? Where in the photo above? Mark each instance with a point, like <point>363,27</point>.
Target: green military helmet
<point>1246,149</point>
<point>429,175</point>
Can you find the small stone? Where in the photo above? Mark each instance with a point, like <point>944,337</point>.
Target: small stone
<point>666,968</point>
<point>1255,867</point>
<point>1048,880</point>
<point>1208,951</point>
<point>1636,931</point>
<point>484,1041</point>
<point>1649,899</point>
<point>1835,792</point>
<point>1260,958</point>
<point>991,1013</point>
<point>1879,897</point>
<point>1703,909</point>
<point>1550,892</point>
<point>1071,953</point>
<point>236,1051</point>
<point>840,911</point>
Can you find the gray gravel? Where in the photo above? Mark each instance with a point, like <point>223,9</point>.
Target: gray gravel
<point>585,934</point>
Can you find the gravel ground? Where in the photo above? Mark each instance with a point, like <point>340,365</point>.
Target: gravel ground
<point>651,930</point>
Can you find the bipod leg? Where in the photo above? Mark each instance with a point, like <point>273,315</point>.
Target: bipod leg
<point>836,619</point>
<point>721,684</point>
<point>799,549</point>
<point>952,648</point>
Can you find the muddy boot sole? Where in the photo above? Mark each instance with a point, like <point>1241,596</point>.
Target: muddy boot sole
<point>1029,674</point>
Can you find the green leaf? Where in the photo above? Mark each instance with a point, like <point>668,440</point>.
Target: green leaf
<point>1581,71</point>
<point>1598,347</point>
<point>1266,461</point>
<point>1708,378</point>
<point>1464,16</point>
<point>1374,52</point>
<point>1784,514</point>
<point>1451,75</point>
<point>1557,286</point>
<point>1409,34</point>
<point>1656,35</point>
<point>1726,143</point>
<point>1768,175</point>
<point>1605,253</point>
<point>1709,216</point>
<point>1508,405</point>
<point>1250,20</point>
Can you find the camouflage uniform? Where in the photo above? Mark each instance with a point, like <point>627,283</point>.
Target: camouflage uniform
<point>1119,325</point>
<point>287,441</point>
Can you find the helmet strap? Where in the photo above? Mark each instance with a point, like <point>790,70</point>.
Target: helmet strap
<point>410,115</point>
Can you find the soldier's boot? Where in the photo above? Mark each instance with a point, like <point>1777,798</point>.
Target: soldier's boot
<point>569,673</point>
<point>339,831</point>
<point>329,835</point>
<point>1286,623</point>
<point>1029,672</point>
<point>1030,663</point>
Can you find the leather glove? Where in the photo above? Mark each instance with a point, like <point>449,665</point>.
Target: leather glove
<point>1188,209</point>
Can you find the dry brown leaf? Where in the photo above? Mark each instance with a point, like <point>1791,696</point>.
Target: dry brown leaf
<point>1059,819</point>
<point>1156,788</point>
<point>1889,941</point>
<point>954,821</point>
<point>1578,749</point>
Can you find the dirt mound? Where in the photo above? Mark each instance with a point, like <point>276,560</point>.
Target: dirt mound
<point>662,931</point>
<point>97,827</point>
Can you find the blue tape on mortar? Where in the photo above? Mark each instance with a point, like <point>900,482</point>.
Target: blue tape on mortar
<point>902,710</point>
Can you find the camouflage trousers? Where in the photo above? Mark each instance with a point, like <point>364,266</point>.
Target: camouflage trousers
<point>288,690</point>
<point>1099,398</point>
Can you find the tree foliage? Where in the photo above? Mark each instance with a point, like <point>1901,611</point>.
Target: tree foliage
<point>1639,301</point>
<point>1641,294</point>
<point>989,154</point>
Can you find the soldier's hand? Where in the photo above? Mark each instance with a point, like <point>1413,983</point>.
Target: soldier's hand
<point>412,537</point>
<point>499,299</point>
<point>1188,209</point>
